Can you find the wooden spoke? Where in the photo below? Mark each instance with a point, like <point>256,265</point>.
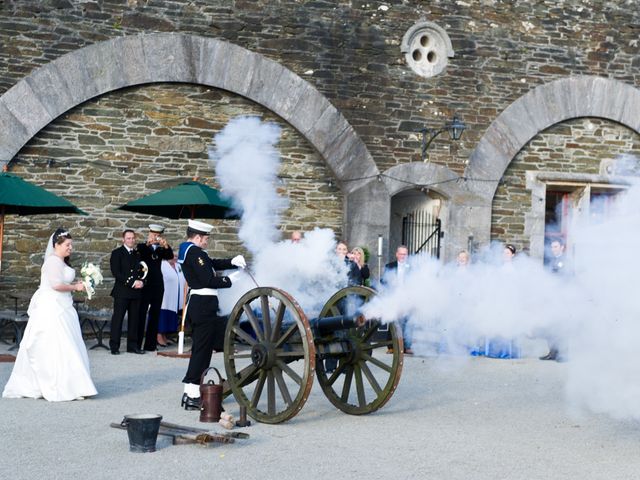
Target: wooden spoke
<point>243,335</point>
<point>284,391</point>
<point>370,331</point>
<point>253,321</point>
<point>289,371</point>
<point>339,369</point>
<point>287,335</point>
<point>377,362</point>
<point>266,317</point>
<point>257,393</point>
<point>246,375</point>
<point>346,386</point>
<point>370,377</point>
<point>239,356</point>
<point>271,393</point>
<point>278,321</point>
<point>362,401</point>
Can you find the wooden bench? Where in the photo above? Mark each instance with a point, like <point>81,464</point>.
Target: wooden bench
<point>97,320</point>
<point>17,320</point>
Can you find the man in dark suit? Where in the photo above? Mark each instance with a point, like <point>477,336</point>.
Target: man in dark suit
<point>394,273</point>
<point>152,253</point>
<point>559,266</point>
<point>126,293</point>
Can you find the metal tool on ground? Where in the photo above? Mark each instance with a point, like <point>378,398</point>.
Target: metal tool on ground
<point>271,354</point>
<point>181,435</point>
<point>242,421</point>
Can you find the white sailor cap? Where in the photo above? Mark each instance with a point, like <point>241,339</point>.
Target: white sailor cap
<point>154,227</point>
<point>200,227</point>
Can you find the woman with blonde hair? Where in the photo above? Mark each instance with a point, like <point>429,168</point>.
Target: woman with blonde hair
<point>361,273</point>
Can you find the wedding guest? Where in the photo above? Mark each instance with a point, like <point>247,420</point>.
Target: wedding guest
<point>172,299</point>
<point>342,251</point>
<point>362,273</point>
<point>126,293</point>
<point>463,259</point>
<point>52,361</point>
<point>202,310</point>
<point>152,252</point>
<point>394,274</point>
<point>558,266</point>
<point>296,236</point>
<point>509,253</point>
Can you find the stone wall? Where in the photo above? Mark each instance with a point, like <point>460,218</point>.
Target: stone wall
<point>131,142</point>
<point>136,141</point>
<point>576,146</point>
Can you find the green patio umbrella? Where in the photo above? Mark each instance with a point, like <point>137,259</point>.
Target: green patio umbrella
<point>19,197</point>
<point>187,200</point>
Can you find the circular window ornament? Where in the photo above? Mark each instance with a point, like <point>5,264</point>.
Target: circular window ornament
<point>426,48</point>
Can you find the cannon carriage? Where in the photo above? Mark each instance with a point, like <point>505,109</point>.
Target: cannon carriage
<point>272,351</point>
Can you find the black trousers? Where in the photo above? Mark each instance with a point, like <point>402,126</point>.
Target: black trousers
<point>130,306</point>
<point>150,315</point>
<point>207,332</point>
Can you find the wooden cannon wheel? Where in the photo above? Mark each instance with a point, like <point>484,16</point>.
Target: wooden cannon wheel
<point>269,355</point>
<point>366,376</point>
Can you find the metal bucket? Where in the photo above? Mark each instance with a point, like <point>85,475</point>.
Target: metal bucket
<point>142,429</point>
<point>210,398</point>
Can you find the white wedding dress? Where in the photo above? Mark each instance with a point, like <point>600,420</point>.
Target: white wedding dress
<point>52,361</point>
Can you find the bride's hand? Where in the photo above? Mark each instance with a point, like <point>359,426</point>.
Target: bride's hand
<point>78,287</point>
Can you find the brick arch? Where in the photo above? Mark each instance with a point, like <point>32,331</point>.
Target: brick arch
<point>542,107</point>
<point>78,76</point>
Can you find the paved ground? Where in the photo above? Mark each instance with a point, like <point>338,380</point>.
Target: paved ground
<point>449,419</point>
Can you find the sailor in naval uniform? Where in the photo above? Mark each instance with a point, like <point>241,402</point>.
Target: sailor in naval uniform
<point>202,308</point>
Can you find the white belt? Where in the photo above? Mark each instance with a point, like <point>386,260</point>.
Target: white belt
<point>204,291</point>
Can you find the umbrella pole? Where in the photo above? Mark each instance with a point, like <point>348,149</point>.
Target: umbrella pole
<point>185,305</point>
<point>1,233</point>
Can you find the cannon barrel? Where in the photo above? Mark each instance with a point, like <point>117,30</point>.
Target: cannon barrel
<point>325,325</point>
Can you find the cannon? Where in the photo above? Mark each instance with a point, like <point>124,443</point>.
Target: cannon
<point>272,350</point>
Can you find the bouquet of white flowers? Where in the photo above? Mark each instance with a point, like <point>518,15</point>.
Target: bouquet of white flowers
<point>91,278</point>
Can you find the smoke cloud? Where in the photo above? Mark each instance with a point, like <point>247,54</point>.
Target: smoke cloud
<point>593,314</point>
<point>247,163</point>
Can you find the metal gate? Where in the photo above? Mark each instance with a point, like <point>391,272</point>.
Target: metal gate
<point>421,232</point>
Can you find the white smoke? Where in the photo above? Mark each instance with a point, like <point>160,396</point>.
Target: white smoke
<point>594,314</point>
<point>309,271</point>
<point>246,162</point>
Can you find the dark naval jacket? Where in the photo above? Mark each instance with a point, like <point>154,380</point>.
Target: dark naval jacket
<point>125,268</point>
<point>199,269</point>
<point>153,259</point>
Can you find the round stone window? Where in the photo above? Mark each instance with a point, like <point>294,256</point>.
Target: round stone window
<point>426,48</point>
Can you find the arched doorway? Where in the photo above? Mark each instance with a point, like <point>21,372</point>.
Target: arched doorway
<point>416,221</point>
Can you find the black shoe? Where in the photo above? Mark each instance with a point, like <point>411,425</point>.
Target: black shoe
<point>115,352</point>
<point>190,403</point>
<point>139,351</point>
<point>150,349</point>
<point>552,355</point>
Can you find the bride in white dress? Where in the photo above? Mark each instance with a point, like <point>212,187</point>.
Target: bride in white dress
<point>52,361</point>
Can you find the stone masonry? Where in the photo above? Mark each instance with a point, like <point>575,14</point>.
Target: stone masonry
<point>121,143</point>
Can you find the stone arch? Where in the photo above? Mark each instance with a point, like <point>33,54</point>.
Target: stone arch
<point>537,110</point>
<point>78,76</point>
<point>542,107</point>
